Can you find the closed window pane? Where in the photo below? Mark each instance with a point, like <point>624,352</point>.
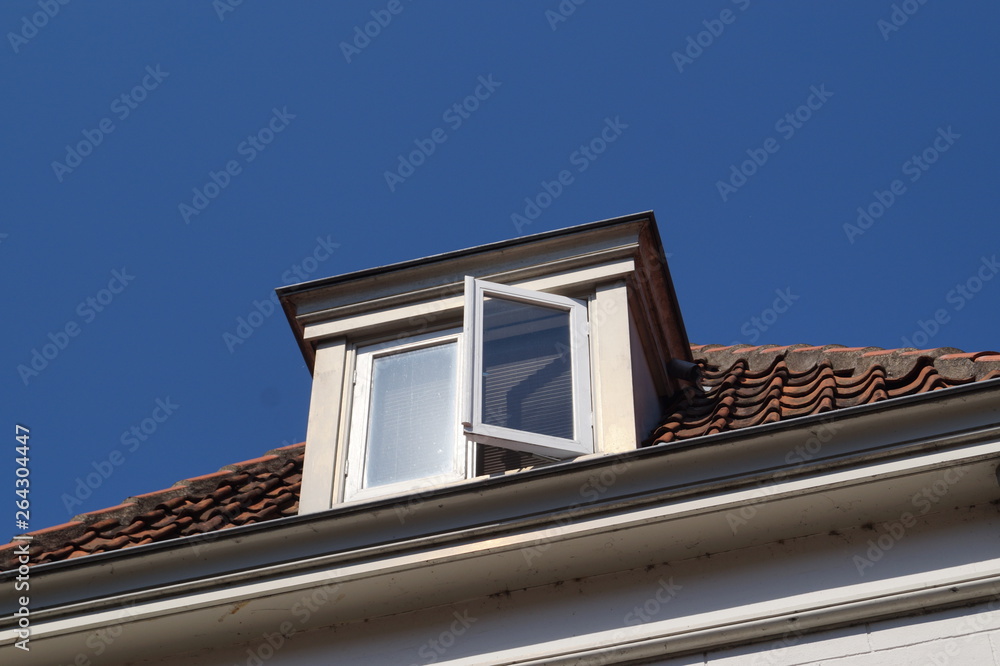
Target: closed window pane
<point>527,369</point>
<point>412,425</point>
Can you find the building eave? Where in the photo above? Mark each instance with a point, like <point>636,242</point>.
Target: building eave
<point>898,444</point>
<point>291,290</point>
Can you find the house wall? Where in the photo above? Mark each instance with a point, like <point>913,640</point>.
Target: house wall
<point>960,636</point>
<point>678,603</point>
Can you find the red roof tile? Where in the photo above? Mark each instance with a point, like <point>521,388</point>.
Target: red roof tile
<point>744,386</point>
<point>270,484</point>
<point>747,386</point>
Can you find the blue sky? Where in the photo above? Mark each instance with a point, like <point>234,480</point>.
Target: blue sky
<point>167,165</point>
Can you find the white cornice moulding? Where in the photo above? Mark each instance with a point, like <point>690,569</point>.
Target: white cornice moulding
<point>362,576</point>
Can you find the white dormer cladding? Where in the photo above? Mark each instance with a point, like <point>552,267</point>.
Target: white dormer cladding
<point>550,346</point>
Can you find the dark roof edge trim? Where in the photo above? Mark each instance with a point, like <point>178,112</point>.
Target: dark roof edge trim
<point>304,287</point>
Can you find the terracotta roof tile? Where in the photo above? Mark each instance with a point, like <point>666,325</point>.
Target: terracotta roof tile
<point>216,522</point>
<point>95,545</point>
<point>62,553</point>
<point>749,385</point>
<point>103,525</point>
<point>201,504</point>
<point>173,504</point>
<point>743,386</point>
<point>65,530</point>
<point>184,524</point>
<point>138,525</point>
<point>221,474</point>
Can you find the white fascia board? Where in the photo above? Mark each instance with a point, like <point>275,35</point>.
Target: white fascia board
<point>441,309</point>
<point>440,572</point>
<point>520,259</point>
<point>753,623</point>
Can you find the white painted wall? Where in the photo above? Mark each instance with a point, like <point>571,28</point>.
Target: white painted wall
<point>967,636</point>
<point>688,596</point>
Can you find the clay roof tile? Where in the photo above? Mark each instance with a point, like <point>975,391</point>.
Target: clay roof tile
<point>743,386</point>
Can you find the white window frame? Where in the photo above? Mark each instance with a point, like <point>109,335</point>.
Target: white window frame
<point>544,445</point>
<point>357,443</point>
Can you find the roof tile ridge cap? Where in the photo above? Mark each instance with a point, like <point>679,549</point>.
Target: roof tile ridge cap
<point>273,460</point>
<point>969,355</point>
<point>758,358</point>
<point>720,356</point>
<point>290,450</point>
<point>986,366</point>
<point>766,359</point>
<point>137,505</point>
<point>719,363</point>
<point>802,358</point>
<point>962,366</point>
<point>904,361</point>
<point>858,360</point>
<point>712,346</point>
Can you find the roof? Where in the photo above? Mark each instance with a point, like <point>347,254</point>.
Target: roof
<point>248,492</point>
<point>567,261</point>
<point>748,386</point>
<point>742,386</point>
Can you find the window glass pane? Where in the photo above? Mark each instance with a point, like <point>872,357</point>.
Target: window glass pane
<point>413,424</point>
<point>527,378</point>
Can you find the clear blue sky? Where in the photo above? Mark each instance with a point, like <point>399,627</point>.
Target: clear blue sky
<point>117,114</point>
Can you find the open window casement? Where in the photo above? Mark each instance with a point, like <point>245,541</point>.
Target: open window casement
<point>527,371</point>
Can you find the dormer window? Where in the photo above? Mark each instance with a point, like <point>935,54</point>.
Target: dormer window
<point>533,351</point>
<point>518,372</point>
